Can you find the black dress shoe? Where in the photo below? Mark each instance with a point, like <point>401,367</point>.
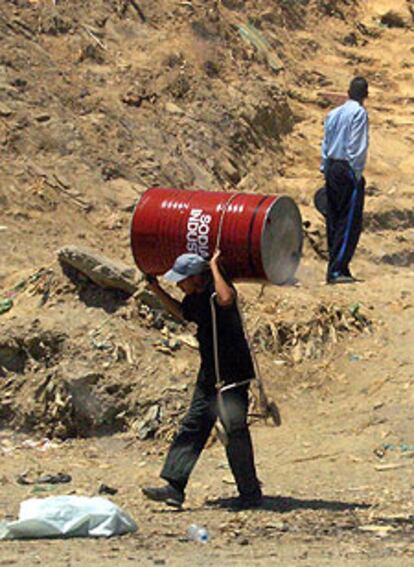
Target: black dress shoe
<point>168,494</point>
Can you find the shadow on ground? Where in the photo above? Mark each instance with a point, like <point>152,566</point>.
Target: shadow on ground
<point>283,504</point>
<point>110,300</point>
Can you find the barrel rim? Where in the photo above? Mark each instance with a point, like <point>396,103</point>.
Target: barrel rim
<point>277,200</point>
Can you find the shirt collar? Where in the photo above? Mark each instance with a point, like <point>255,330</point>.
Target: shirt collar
<point>352,102</point>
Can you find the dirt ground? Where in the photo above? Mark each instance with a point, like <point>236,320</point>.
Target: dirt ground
<point>98,101</point>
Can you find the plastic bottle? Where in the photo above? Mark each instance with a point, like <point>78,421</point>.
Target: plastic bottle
<point>197,533</point>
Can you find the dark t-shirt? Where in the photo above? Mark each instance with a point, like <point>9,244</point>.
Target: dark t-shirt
<point>235,361</point>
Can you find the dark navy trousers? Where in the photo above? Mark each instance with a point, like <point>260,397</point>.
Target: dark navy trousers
<point>345,196</point>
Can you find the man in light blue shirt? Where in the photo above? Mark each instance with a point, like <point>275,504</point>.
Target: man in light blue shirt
<point>344,154</point>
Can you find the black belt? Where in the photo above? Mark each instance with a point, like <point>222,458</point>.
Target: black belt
<point>331,161</point>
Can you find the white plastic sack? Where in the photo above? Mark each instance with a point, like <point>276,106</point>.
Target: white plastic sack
<point>67,516</point>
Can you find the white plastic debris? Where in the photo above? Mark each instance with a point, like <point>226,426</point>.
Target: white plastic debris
<point>68,516</point>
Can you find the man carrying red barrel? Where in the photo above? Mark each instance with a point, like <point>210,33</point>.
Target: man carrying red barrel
<point>222,385</point>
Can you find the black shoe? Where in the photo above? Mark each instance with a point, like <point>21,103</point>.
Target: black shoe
<point>168,494</point>
<point>340,279</point>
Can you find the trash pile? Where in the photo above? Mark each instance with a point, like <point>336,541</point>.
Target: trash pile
<point>299,341</point>
<point>38,283</point>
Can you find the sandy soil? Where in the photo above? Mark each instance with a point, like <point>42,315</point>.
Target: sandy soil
<point>78,147</point>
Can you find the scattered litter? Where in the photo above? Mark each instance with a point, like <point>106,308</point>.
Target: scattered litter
<point>391,466</point>
<point>68,516</point>
<point>277,525</point>
<point>147,427</point>
<point>94,37</point>
<point>7,447</point>
<point>167,346</point>
<point>188,340</point>
<point>378,529</point>
<point>101,345</point>
<point>105,489</point>
<point>406,450</point>
<point>60,478</point>
<point>355,311</point>
<point>355,358</point>
<point>5,305</point>
<point>31,284</point>
<point>43,444</point>
<point>403,447</point>
<point>197,533</point>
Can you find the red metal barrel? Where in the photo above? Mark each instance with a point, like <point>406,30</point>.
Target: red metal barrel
<point>261,235</point>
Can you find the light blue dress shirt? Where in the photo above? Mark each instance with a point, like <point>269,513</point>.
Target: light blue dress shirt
<point>346,136</point>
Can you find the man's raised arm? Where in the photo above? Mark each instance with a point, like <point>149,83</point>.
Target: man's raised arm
<point>170,304</point>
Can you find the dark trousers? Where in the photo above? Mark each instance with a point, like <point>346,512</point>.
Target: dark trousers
<point>345,196</point>
<point>196,428</point>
